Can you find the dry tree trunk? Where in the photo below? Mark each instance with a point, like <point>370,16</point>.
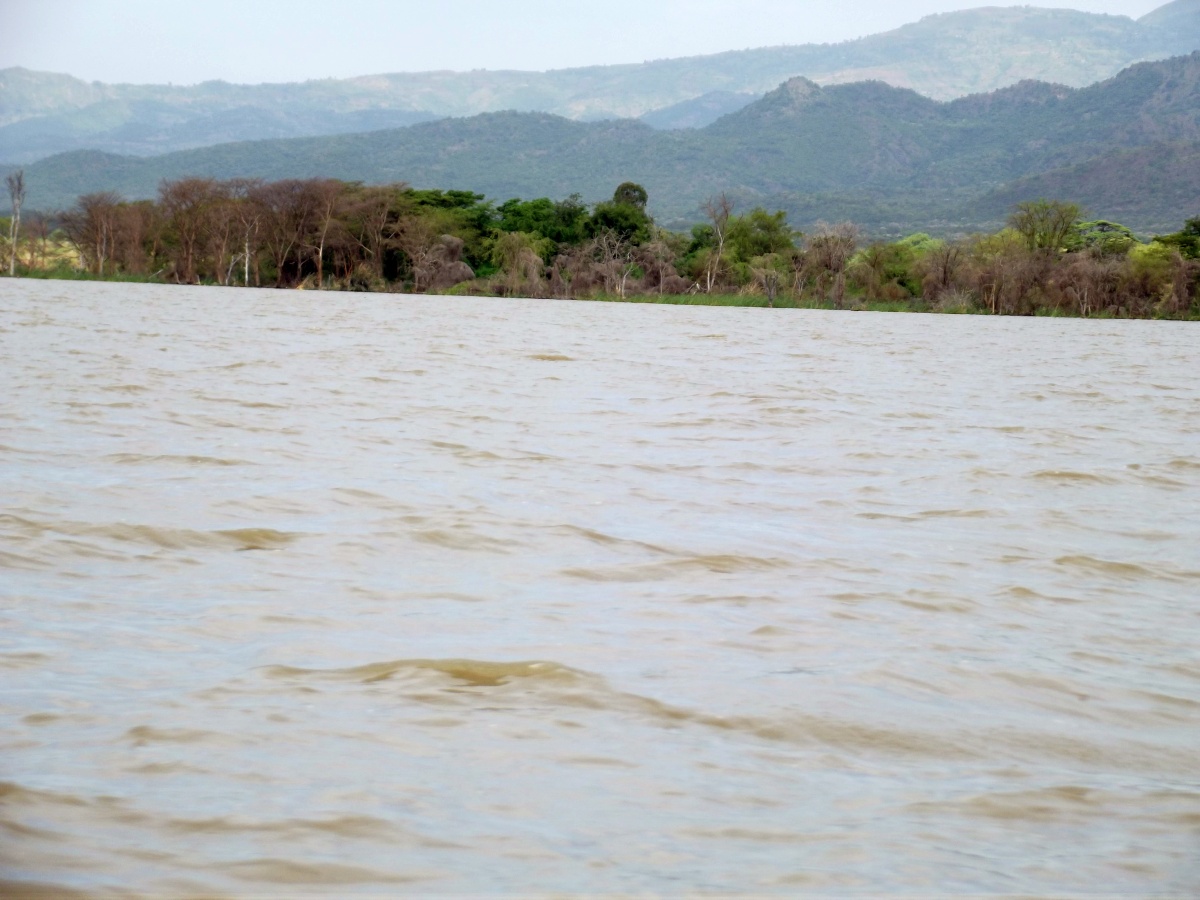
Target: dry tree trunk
<point>16,193</point>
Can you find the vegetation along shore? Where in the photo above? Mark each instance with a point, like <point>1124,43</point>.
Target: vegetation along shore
<point>335,235</point>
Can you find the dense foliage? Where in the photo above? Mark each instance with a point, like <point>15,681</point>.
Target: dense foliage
<point>336,235</point>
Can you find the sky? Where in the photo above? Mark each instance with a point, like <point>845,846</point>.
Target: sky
<point>254,41</point>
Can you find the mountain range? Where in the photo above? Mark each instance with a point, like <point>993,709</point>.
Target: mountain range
<point>942,57</point>
<point>886,157</point>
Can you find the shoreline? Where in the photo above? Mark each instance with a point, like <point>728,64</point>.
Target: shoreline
<point>916,306</point>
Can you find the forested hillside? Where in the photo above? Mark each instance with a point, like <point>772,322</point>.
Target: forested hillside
<point>942,57</point>
<point>886,157</point>
<point>1127,185</point>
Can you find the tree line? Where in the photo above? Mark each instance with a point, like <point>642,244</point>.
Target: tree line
<point>335,235</point>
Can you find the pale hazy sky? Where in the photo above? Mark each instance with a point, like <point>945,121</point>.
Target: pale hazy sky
<point>250,41</point>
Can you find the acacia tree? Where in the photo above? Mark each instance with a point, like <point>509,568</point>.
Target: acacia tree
<point>1186,241</point>
<point>16,194</point>
<point>1102,238</point>
<point>1044,224</point>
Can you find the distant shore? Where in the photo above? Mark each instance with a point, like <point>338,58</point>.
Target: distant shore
<point>331,235</point>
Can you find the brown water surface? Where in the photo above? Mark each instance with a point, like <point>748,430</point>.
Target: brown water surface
<point>379,595</point>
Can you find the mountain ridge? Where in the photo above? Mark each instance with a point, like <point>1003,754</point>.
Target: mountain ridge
<point>941,56</point>
<point>896,158</point>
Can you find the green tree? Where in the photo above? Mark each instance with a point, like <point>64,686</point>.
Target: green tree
<point>570,221</point>
<point>1045,225</point>
<point>759,233</point>
<point>631,194</point>
<point>473,215</point>
<point>422,236</point>
<point>518,256</point>
<point>629,222</point>
<point>1102,238</point>
<point>562,222</point>
<point>886,271</point>
<point>624,215</point>
<point>770,272</point>
<point>1186,241</point>
<point>920,243</point>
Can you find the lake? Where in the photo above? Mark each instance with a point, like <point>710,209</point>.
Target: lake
<point>368,595</point>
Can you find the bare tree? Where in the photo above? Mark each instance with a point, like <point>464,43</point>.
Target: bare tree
<point>451,268</point>
<point>16,193</point>
<point>571,273</point>
<point>828,255</point>
<point>941,270</point>
<point>322,196</point>
<point>248,215</point>
<point>137,232</point>
<point>1183,276</point>
<point>768,271</point>
<point>39,247</point>
<point>1010,282</point>
<point>614,257</point>
<point>657,261</point>
<point>190,206</point>
<point>719,209</point>
<point>285,217</point>
<point>224,236</point>
<point>1090,282</point>
<point>421,240</point>
<point>90,227</point>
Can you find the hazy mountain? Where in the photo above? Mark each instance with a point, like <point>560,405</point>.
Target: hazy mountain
<point>699,112</point>
<point>145,127</point>
<point>943,57</point>
<point>1178,17</point>
<point>885,156</point>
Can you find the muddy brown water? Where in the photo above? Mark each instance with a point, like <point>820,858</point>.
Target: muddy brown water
<point>379,595</point>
